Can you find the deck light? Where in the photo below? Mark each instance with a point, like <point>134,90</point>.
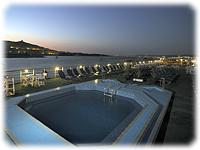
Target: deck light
<point>26,71</point>
<point>96,81</point>
<point>96,65</point>
<point>56,68</point>
<point>27,95</point>
<point>193,61</point>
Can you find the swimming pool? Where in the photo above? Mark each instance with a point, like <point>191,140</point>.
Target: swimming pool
<point>83,116</point>
<point>94,112</point>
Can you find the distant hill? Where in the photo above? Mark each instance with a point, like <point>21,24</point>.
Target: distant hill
<point>24,49</point>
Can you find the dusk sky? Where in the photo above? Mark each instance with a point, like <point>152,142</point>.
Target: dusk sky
<point>115,30</point>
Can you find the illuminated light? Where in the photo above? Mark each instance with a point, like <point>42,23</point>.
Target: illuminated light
<point>56,68</point>
<point>118,64</point>
<point>96,81</point>
<point>143,62</point>
<point>140,62</point>
<point>137,80</point>
<point>181,59</point>
<point>80,66</point>
<point>193,61</point>
<point>108,64</point>
<point>96,65</point>
<point>125,63</point>
<point>45,74</point>
<point>7,76</point>
<point>58,88</point>
<point>27,95</point>
<point>26,71</point>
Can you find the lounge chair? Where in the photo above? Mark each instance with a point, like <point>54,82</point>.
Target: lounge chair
<point>87,70</point>
<point>62,75</point>
<point>112,69</point>
<point>94,71</point>
<point>122,66</point>
<point>83,72</point>
<point>71,74</point>
<point>75,71</point>
<point>115,68</point>
<point>108,69</point>
<point>98,69</point>
<point>118,67</point>
<point>105,69</point>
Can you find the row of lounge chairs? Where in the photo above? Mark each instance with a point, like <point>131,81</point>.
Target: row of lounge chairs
<point>140,72</point>
<point>157,72</point>
<point>165,72</point>
<point>88,71</point>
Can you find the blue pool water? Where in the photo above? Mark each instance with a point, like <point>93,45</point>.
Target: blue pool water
<point>84,117</point>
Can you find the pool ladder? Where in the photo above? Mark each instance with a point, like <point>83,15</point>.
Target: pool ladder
<point>109,93</point>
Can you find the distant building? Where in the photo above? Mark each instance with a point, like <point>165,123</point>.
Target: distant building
<point>23,49</point>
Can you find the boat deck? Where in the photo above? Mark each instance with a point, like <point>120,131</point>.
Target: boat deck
<point>180,129</point>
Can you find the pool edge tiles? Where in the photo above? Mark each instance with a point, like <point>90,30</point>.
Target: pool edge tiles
<point>129,134</point>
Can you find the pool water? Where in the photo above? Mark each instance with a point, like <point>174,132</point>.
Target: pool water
<point>83,117</point>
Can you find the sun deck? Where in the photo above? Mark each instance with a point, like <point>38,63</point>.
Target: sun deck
<point>25,129</point>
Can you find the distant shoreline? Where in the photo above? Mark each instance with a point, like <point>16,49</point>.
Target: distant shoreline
<point>21,49</point>
<point>55,56</point>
